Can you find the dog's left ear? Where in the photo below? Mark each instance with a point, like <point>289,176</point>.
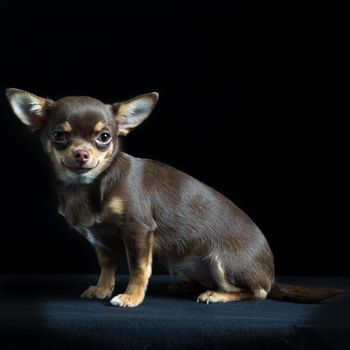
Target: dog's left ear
<point>131,113</point>
<point>29,108</point>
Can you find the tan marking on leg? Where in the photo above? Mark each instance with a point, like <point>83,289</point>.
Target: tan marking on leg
<point>106,281</point>
<point>99,126</point>
<point>211,296</point>
<point>67,127</point>
<point>220,278</point>
<point>116,205</point>
<point>139,276</point>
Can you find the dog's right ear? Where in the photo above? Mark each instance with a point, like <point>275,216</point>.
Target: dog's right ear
<point>29,108</point>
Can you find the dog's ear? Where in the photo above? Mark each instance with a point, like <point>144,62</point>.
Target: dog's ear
<point>29,108</point>
<point>133,112</point>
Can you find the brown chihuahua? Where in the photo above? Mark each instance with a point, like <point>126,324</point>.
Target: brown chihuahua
<point>145,208</point>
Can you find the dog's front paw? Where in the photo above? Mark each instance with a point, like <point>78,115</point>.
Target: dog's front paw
<point>96,292</point>
<point>127,300</point>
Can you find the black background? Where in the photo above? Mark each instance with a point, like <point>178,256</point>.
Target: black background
<point>252,102</point>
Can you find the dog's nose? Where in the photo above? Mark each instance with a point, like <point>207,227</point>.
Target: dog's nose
<point>81,156</point>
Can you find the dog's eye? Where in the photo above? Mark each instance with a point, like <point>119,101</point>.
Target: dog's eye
<point>104,137</point>
<point>59,136</point>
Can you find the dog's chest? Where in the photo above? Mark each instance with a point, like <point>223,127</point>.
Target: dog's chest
<point>79,209</point>
<point>90,220</point>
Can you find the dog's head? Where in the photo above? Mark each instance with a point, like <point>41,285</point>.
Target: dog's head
<point>80,134</point>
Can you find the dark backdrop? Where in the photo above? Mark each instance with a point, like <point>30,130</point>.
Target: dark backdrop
<point>251,102</point>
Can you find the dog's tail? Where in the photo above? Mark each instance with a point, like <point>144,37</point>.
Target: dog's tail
<point>296,294</point>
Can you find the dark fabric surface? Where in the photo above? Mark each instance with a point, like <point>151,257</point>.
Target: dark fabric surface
<point>45,312</point>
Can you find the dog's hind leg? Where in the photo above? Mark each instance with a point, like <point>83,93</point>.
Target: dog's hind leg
<point>227,291</point>
<point>217,296</point>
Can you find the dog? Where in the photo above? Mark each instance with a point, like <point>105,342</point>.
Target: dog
<point>145,208</point>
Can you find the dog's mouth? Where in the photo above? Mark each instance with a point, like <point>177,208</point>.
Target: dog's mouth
<point>79,169</point>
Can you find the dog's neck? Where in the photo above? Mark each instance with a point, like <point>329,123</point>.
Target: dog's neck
<point>81,204</point>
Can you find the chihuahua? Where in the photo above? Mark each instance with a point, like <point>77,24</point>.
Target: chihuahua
<point>145,208</point>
